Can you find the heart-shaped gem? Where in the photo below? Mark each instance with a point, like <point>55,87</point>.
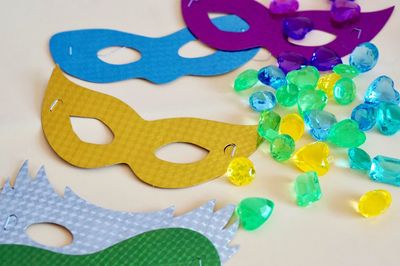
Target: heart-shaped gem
<point>287,95</point>
<point>347,134</point>
<point>325,59</point>
<point>345,11</point>
<point>319,123</point>
<point>388,118</point>
<point>382,90</point>
<point>254,212</point>
<point>313,157</point>
<point>289,61</point>
<point>304,78</point>
<point>309,99</point>
<point>297,27</point>
<point>280,7</point>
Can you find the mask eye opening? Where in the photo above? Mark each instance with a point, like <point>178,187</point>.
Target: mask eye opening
<point>60,235</point>
<point>181,152</point>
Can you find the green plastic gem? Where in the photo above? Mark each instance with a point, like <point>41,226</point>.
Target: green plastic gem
<point>254,212</point>
<point>282,147</point>
<point>304,78</point>
<point>346,134</point>
<point>307,189</point>
<point>287,95</point>
<point>359,159</point>
<point>344,91</point>
<point>268,125</point>
<point>310,99</point>
<point>246,80</point>
<point>346,71</point>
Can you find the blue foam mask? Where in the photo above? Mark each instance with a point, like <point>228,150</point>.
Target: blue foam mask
<point>76,52</point>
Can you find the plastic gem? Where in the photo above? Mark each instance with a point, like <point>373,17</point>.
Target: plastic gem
<point>382,90</point>
<point>304,78</point>
<point>268,125</point>
<point>282,147</point>
<point>313,157</point>
<point>385,170</point>
<point>325,59</point>
<point>241,171</point>
<point>364,57</point>
<point>344,11</point>
<point>388,119</point>
<point>297,27</point>
<point>346,71</point>
<point>307,189</point>
<point>327,82</point>
<point>272,76</point>
<point>287,95</point>
<point>365,115</point>
<point>280,7</point>
<point>346,134</point>
<point>292,125</point>
<point>374,203</point>
<point>246,80</point>
<point>359,159</point>
<point>289,61</point>
<point>254,212</point>
<point>318,123</point>
<point>310,99</point>
<point>262,100</point>
<point>344,91</point>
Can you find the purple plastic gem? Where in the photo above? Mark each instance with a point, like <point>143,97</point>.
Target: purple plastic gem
<point>289,61</point>
<point>280,7</point>
<point>325,59</point>
<point>343,11</point>
<point>297,27</point>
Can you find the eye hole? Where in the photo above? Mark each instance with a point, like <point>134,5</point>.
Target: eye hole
<point>236,24</point>
<point>314,38</point>
<point>91,130</point>
<point>181,152</point>
<point>50,234</point>
<point>118,55</point>
<point>195,49</point>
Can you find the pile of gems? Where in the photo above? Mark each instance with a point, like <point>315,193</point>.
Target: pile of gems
<point>295,83</point>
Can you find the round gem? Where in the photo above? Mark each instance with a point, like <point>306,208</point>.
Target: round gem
<point>313,157</point>
<point>359,159</point>
<point>254,212</point>
<point>327,82</point>
<point>388,119</point>
<point>364,57</point>
<point>272,76</point>
<point>289,61</point>
<point>241,171</point>
<point>310,99</point>
<point>280,7</point>
<point>287,95</point>
<point>319,123</point>
<point>246,80</point>
<point>346,134</point>
<point>282,147</point>
<point>292,125</point>
<point>374,203</point>
<point>344,91</point>
<point>345,11</point>
<point>297,27</point>
<point>262,100</point>
<point>304,78</point>
<point>324,59</point>
<point>346,71</point>
<point>382,90</point>
<point>268,125</point>
<point>365,115</point>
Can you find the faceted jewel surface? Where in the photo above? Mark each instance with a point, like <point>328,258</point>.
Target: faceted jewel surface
<point>319,123</point>
<point>297,27</point>
<point>364,57</point>
<point>374,203</point>
<point>272,76</point>
<point>346,134</point>
<point>326,83</point>
<point>310,99</point>
<point>359,159</point>
<point>246,80</point>
<point>344,91</point>
<point>346,71</point>
<point>287,95</point>
<point>304,78</point>
<point>280,7</point>
<point>388,119</point>
<point>385,170</point>
<point>282,147</point>
<point>241,171</point>
<point>289,61</point>
<point>307,189</point>
<point>313,157</point>
<point>268,125</point>
<point>382,90</point>
<point>262,100</point>
<point>292,125</point>
<point>324,59</point>
<point>365,115</point>
<point>254,212</point>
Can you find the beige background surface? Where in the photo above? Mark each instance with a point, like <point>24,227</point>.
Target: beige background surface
<point>328,233</point>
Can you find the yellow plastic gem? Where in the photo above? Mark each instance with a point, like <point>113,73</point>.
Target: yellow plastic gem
<point>241,171</point>
<point>374,203</point>
<point>327,82</point>
<point>313,157</point>
<point>292,125</point>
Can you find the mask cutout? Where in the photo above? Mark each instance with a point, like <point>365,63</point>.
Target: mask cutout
<point>76,53</point>
<point>94,229</point>
<point>265,29</point>
<point>136,140</point>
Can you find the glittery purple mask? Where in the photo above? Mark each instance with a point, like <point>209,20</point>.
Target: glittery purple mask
<point>265,29</point>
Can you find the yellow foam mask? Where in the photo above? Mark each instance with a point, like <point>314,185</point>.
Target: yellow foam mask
<point>135,139</point>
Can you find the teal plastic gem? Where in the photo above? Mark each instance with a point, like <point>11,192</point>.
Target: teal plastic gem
<point>268,125</point>
<point>388,119</point>
<point>246,80</point>
<point>304,78</point>
<point>385,170</point>
<point>346,71</point>
<point>287,95</point>
<point>310,99</point>
<point>282,147</point>
<point>307,189</point>
<point>344,91</point>
<point>359,159</point>
<point>254,212</point>
<point>346,134</point>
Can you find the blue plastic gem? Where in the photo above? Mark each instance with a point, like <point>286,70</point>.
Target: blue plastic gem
<point>262,100</point>
<point>272,76</point>
<point>388,118</point>
<point>318,123</point>
<point>385,170</point>
<point>297,27</point>
<point>365,115</point>
<point>382,90</point>
<point>364,57</point>
<point>359,159</point>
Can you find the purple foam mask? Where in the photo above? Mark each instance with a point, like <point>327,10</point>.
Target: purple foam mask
<point>265,29</point>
